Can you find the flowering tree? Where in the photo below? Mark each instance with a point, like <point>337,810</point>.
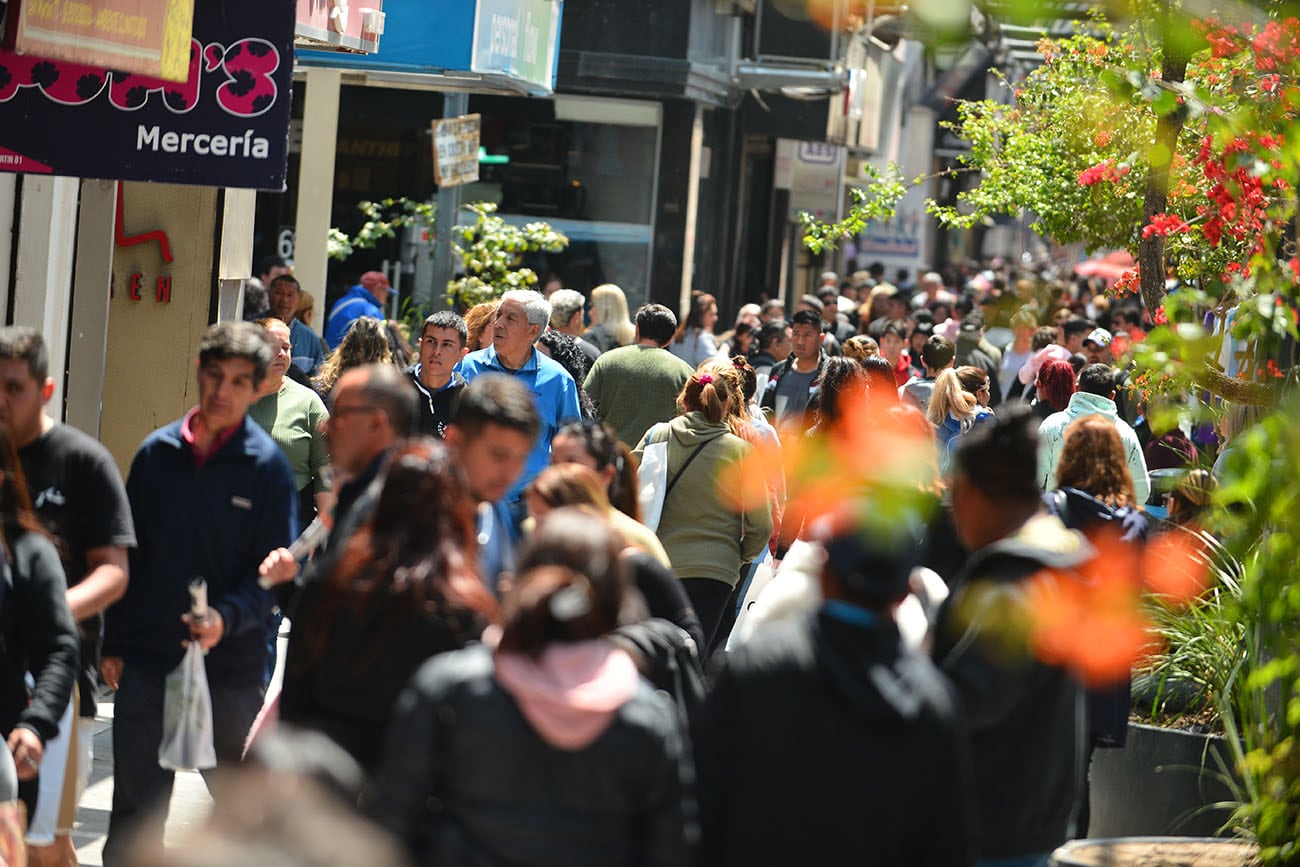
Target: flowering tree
<point>1174,149</point>
<point>1178,140</point>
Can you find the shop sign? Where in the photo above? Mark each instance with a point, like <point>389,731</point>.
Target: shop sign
<point>148,37</point>
<point>226,125</point>
<point>517,38</point>
<point>813,172</point>
<point>455,150</point>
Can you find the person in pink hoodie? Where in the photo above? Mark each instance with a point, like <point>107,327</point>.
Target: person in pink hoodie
<point>543,745</point>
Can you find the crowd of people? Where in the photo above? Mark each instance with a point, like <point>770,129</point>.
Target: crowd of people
<point>599,587</point>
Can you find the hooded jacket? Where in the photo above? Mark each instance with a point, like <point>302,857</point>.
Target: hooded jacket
<point>1025,715</point>
<point>1051,441</point>
<point>704,535</point>
<point>831,731</point>
<point>468,780</point>
<point>436,407</point>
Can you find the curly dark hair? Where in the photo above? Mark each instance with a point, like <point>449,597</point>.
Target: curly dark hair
<point>1093,461</point>
<point>564,350</point>
<point>601,443</point>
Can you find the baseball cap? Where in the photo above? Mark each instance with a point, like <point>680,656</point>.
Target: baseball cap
<point>371,279</point>
<point>1099,336</point>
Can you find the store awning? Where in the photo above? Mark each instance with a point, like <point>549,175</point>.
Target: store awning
<point>507,46</point>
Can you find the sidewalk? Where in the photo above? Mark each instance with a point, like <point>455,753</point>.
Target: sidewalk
<point>190,802</point>
<point>189,805</point>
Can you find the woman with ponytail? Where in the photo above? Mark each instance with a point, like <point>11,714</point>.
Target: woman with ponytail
<point>543,745</point>
<point>715,516</point>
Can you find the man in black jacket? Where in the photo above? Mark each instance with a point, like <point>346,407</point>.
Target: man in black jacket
<point>441,346</point>
<point>1024,714</point>
<point>825,741</point>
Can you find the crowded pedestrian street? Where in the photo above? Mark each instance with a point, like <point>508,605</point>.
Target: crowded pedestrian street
<point>581,434</point>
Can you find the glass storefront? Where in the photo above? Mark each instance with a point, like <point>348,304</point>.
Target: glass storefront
<point>586,166</point>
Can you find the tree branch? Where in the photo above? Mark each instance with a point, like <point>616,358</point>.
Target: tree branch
<point>1246,392</point>
<point>1151,250</point>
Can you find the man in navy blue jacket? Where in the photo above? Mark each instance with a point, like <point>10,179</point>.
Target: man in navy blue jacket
<point>211,494</point>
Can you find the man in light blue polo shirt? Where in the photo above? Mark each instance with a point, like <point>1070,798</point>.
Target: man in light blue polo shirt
<point>520,320</point>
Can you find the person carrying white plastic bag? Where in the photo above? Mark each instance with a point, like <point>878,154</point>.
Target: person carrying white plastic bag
<point>187,742</point>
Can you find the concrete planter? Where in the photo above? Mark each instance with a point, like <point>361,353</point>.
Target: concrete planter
<point>1144,851</point>
<point>1164,782</point>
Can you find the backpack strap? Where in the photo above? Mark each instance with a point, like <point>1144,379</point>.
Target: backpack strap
<point>677,475</point>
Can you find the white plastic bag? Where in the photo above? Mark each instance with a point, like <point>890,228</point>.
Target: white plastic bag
<point>652,482</point>
<point>187,716</point>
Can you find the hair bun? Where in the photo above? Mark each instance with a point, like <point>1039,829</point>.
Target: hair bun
<point>569,603</point>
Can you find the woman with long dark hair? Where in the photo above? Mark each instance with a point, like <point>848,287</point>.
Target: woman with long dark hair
<point>543,746</point>
<point>694,342</point>
<point>37,634</point>
<point>575,483</point>
<point>403,588</point>
<point>594,444</point>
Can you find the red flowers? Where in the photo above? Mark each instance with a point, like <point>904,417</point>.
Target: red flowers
<point>1106,170</point>
<point>1165,224</point>
<point>1128,283</point>
<point>1237,199</point>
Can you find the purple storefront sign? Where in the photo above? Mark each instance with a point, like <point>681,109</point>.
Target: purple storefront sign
<point>227,125</point>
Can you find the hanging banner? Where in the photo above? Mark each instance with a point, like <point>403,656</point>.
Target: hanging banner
<point>149,37</point>
<point>226,125</point>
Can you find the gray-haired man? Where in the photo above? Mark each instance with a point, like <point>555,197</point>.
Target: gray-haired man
<point>520,319</point>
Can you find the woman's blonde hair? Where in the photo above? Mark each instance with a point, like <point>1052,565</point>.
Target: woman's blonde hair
<point>610,306</point>
<point>949,398</point>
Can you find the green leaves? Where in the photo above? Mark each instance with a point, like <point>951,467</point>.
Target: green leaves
<point>492,252</point>
<point>876,200</point>
<point>382,220</point>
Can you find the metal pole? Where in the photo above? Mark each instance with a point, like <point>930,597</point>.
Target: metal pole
<point>449,200</point>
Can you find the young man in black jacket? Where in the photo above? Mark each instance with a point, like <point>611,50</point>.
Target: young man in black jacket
<point>442,344</point>
<point>210,494</point>
<point>1024,714</point>
<point>829,729</point>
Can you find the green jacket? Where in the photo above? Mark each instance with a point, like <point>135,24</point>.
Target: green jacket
<point>717,516</point>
